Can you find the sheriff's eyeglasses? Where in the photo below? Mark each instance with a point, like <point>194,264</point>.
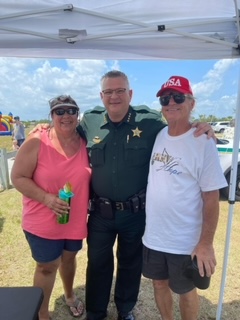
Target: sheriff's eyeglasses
<point>177,97</point>
<point>61,112</point>
<point>118,92</point>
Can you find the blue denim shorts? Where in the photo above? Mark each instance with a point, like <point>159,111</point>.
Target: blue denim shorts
<point>47,250</point>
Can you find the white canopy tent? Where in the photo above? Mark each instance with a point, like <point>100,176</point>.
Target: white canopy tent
<point>127,29</point>
<point>120,29</point>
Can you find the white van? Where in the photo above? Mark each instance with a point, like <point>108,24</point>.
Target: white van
<point>220,126</point>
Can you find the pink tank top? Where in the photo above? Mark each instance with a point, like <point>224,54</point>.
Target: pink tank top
<point>52,172</point>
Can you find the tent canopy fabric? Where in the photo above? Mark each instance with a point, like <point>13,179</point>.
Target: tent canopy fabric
<point>120,29</point>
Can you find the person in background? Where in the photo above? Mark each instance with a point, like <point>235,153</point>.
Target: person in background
<point>182,203</point>
<point>18,131</point>
<point>15,145</point>
<point>120,140</point>
<point>45,163</point>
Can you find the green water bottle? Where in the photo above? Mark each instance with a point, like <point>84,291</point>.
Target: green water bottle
<point>65,194</point>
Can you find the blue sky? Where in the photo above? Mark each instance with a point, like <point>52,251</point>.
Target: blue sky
<point>26,85</point>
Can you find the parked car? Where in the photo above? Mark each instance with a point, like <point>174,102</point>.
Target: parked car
<point>220,126</point>
<point>225,149</point>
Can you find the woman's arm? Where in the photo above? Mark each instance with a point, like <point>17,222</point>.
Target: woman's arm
<point>24,167</point>
<point>22,175</point>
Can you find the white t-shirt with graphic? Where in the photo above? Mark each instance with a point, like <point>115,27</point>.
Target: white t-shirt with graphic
<point>181,167</point>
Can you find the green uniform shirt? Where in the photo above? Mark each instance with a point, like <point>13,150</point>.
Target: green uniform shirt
<point>120,153</point>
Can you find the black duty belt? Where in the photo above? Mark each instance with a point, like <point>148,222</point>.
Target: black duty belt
<point>121,205</point>
<point>105,205</point>
<point>116,205</point>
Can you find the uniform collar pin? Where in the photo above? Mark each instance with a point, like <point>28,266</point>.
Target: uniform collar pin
<point>96,139</point>
<point>129,116</point>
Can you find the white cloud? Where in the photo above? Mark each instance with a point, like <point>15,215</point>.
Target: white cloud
<point>211,99</point>
<point>214,79</point>
<point>26,85</point>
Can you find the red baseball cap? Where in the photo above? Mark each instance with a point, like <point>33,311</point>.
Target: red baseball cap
<point>177,83</point>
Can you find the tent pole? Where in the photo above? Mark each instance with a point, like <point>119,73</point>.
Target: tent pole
<point>237,17</point>
<point>36,12</point>
<point>225,263</point>
<point>231,201</point>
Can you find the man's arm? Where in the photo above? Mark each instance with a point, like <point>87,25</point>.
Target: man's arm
<point>204,249</point>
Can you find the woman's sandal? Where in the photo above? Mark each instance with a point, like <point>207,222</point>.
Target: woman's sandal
<point>76,309</point>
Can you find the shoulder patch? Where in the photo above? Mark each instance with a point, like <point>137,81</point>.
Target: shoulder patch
<point>97,109</point>
<point>145,109</point>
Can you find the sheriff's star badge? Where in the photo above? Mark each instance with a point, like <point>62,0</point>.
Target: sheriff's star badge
<point>136,132</point>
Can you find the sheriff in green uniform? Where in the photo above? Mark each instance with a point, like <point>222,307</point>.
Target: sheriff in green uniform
<point>119,140</point>
<point>120,152</point>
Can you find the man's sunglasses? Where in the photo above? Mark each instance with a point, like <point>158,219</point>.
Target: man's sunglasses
<point>177,97</point>
<point>61,112</point>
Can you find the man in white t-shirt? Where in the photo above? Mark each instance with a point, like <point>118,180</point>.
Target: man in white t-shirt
<point>182,204</point>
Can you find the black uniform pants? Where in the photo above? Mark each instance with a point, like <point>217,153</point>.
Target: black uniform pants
<point>128,228</point>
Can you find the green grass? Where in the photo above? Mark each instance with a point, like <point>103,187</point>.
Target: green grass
<point>17,267</point>
<point>6,141</point>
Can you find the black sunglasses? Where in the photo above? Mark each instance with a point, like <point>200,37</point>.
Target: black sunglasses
<point>177,97</point>
<point>61,112</point>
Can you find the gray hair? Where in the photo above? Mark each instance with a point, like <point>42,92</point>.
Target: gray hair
<point>114,74</point>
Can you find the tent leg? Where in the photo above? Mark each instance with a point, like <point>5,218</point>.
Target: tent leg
<point>231,201</point>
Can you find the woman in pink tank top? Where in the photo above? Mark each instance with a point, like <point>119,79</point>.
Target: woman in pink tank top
<point>49,162</point>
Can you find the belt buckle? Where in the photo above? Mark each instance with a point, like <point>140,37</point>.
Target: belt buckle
<point>119,206</point>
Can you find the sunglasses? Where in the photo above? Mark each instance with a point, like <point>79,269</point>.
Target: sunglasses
<point>70,111</point>
<point>62,99</point>
<point>177,97</point>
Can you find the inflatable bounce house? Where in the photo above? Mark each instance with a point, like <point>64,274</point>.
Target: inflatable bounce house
<point>6,124</point>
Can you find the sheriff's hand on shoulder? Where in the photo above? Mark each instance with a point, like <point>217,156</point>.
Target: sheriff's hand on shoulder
<point>204,128</point>
<point>40,127</point>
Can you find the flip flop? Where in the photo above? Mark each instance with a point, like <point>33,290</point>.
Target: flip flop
<point>76,309</point>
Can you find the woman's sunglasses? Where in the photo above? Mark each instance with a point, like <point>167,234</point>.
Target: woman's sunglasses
<point>177,97</point>
<point>61,112</point>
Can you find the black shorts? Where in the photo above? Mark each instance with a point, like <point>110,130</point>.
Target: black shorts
<point>159,265</point>
<point>20,142</point>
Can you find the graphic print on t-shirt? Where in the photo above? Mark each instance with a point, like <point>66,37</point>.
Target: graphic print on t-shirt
<point>166,162</point>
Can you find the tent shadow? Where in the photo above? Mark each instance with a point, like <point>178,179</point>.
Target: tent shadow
<point>229,310</point>
<point>2,220</point>
<point>146,307</point>
<point>61,311</point>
